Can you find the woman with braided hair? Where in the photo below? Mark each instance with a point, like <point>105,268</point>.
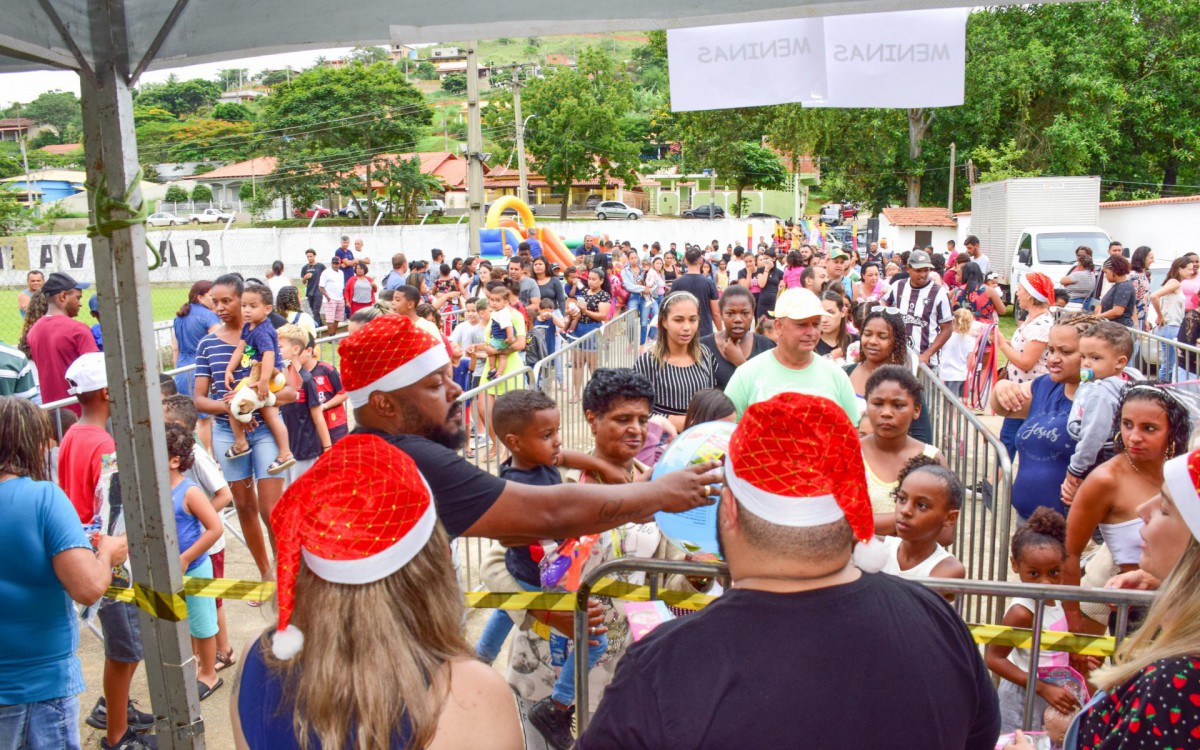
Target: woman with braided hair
<point>1152,426</point>
<point>883,341</point>
<point>1042,442</point>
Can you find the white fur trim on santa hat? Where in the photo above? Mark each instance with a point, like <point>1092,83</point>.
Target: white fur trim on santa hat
<point>406,374</point>
<point>1178,479</point>
<point>781,510</point>
<point>1028,287</point>
<point>380,565</point>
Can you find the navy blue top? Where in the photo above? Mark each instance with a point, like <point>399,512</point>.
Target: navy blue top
<point>259,340</point>
<point>1045,449</point>
<point>522,562</point>
<point>265,716</point>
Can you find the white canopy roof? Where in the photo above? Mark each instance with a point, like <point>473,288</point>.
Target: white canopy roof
<point>34,34</point>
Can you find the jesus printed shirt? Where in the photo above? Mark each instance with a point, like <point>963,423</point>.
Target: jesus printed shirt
<point>1044,448</point>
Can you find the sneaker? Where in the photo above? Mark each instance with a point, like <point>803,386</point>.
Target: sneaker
<point>553,722</point>
<point>131,741</point>
<point>139,721</point>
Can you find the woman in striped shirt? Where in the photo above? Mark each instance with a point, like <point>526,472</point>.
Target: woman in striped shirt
<point>677,366</point>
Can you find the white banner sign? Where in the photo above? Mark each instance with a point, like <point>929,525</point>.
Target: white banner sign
<point>899,60</point>
<point>746,64</point>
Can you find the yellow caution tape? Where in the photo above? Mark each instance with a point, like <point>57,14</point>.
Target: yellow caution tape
<point>1073,643</point>
<point>174,607</point>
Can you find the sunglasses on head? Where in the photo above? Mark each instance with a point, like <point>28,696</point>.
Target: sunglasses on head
<point>883,309</point>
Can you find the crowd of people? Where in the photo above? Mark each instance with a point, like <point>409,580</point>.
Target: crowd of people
<point>350,482</point>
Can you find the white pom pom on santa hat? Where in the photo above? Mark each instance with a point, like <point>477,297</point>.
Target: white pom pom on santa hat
<point>871,556</point>
<point>286,643</point>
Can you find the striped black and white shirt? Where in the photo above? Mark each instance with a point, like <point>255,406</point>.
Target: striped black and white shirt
<point>674,386</point>
<point>924,310</point>
<point>16,373</point>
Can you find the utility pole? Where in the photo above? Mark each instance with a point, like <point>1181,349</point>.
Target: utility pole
<point>523,190</point>
<point>24,160</point>
<point>950,201</point>
<point>474,150</point>
<point>712,195</point>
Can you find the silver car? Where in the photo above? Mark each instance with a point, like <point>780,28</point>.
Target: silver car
<point>163,219</point>
<point>617,210</point>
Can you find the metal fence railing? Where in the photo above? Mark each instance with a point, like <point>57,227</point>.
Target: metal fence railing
<point>980,460</point>
<point>964,590</point>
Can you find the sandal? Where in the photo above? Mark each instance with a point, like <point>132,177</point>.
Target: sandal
<point>231,454</point>
<point>205,691</point>
<point>225,660</point>
<point>277,466</point>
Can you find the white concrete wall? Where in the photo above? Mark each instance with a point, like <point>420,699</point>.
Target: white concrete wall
<point>901,239</point>
<point>192,254</point>
<point>1168,228</point>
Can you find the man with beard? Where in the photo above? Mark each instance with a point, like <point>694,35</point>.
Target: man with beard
<point>811,646</point>
<point>401,387</point>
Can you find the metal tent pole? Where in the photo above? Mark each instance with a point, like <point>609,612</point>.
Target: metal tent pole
<point>122,280</point>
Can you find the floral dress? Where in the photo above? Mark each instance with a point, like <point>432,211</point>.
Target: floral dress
<point>1141,296</point>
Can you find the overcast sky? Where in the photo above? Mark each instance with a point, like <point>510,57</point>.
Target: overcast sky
<point>25,87</point>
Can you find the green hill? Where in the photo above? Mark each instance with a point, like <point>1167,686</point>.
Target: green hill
<point>510,50</point>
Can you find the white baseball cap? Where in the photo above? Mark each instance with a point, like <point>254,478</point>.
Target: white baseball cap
<point>87,374</point>
<point>798,304</point>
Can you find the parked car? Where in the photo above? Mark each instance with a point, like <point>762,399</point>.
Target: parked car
<point>163,219</point>
<point>831,214</point>
<point>210,216</point>
<point>307,213</point>
<point>760,215</point>
<point>592,201</point>
<point>617,210</point>
<point>705,211</point>
<point>434,207</point>
<point>356,208</point>
<point>510,211</point>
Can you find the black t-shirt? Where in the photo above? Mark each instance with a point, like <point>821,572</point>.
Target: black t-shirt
<point>522,562</point>
<point>313,285</point>
<point>766,297</point>
<point>461,491</point>
<point>297,419</point>
<point>877,663</point>
<point>723,369</point>
<point>705,290</point>
<point>1120,294</point>
<point>277,322</point>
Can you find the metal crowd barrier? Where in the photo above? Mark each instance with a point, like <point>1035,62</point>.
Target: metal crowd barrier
<point>484,451</point>
<point>1121,599</point>
<point>979,459</point>
<point>615,344</point>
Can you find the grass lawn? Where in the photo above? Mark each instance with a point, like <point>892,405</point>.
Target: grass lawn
<point>165,299</point>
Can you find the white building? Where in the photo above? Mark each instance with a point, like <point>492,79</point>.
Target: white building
<point>906,228</point>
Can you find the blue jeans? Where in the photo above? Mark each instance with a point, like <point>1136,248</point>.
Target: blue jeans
<point>651,314</point>
<point>1169,354</point>
<point>638,302</point>
<point>496,631</point>
<point>45,725</point>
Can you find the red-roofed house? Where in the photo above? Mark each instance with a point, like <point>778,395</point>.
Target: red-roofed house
<point>62,149</point>
<point>16,128</point>
<point>227,180</point>
<point>507,181</point>
<point>906,228</point>
<point>447,167</point>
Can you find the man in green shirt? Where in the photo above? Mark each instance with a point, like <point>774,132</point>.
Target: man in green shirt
<point>792,365</point>
<point>16,373</point>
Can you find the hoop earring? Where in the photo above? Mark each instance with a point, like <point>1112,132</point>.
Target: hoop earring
<point>1170,450</point>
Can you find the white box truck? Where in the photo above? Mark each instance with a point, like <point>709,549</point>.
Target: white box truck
<point>1035,223</point>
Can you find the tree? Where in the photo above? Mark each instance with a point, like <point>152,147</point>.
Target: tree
<point>455,83</point>
<point>275,77</point>
<point>369,55</point>
<point>179,97</point>
<point>196,139</point>
<point>60,110</point>
<point>176,194</point>
<point>425,71</point>
<point>12,214</point>
<point>573,136</point>
<point>338,120</point>
<point>230,112</point>
<point>405,185</point>
<point>728,141</point>
<point>202,193</point>
<point>45,138</point>
<point>232,78</point>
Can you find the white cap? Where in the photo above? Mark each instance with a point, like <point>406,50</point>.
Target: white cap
<point>87,374</point>
<point>798,304</point>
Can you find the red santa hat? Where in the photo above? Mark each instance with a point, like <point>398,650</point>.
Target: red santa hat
<point>387,354</point>
<point>1039,286</point>
<point>795,460</point>
<point>1182,477</point>
<point>361,513</point>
